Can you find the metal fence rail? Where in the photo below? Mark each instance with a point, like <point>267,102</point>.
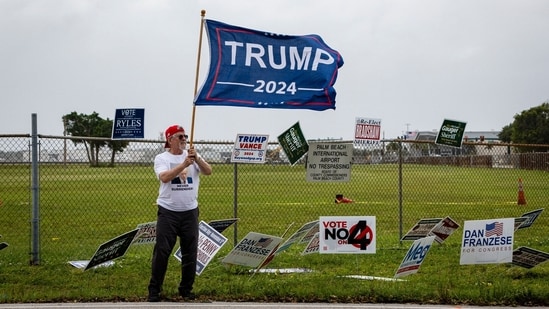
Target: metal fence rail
<point>75,199</point>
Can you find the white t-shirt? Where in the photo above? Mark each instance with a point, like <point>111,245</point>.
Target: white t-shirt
<point>177,194</point>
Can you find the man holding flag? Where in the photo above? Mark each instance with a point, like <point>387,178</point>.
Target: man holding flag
<point>178,171</point>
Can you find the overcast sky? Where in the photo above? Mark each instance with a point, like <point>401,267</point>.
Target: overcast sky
<point>409,63</point>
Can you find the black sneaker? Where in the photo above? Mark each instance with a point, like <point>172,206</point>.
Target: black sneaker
<point>153,298</point>
<point>188,295</point>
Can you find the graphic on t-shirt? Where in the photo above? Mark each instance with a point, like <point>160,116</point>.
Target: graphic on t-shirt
<point>178,180</point>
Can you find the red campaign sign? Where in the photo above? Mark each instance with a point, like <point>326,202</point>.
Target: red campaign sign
<point>367,131</point>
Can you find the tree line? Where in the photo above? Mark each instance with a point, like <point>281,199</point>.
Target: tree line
<point>529,127</point>
<point>92,125</point>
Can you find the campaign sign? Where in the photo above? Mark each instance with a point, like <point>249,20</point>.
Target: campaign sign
<point>519,221</point>
<point>444,229</point>
<point>414,257</point>
<point>329,162</point>
<point>146,233</point>
<point>347,234</point>
<point>297,236</point>
<point>81,264</point>
<point>422,229</point>
<point>112,249</point>
<point>487,241</point>
<point>252,250</point>
<point>451,133</point>
<point>312,246</point>
<point>273,253</point>
<point>282,270</point>
<point>222,225</point>
<point>294,143</point>
<point>528,257</point>
<point>531,217</point>
<point>367,131</point>
<point>209,243</point>
<point>3,245</point>
<point>129,123</point>
<point>310,233</point>
<point>250,148</point>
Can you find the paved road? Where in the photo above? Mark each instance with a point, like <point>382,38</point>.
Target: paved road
<point>219,305</point>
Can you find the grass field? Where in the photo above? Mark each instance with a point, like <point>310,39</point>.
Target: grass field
<point>82,207</point>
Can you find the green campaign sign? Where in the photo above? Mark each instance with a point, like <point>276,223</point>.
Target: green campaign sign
<point>294,143</point>
<point>451,133</point>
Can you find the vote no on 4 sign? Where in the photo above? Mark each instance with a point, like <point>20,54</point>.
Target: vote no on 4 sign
<point>348,234</point>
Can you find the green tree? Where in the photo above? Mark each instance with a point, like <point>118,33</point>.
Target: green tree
<point>393,147</point>
<point>506,133</point>
<point>82,125</point>
<point>532,127</point>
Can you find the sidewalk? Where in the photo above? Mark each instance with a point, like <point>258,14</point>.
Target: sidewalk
<point>219,305</point>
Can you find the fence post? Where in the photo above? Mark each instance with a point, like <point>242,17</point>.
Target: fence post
<point>400,188</point>
<point>35,188</point>
<point>235,202</point>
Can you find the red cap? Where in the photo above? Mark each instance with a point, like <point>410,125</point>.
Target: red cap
<point>170,131</point>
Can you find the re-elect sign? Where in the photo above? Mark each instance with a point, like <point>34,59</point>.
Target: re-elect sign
<point>367,131</point>
<point>347,234</point>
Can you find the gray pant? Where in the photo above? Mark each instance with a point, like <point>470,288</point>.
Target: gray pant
<point>169,226</point>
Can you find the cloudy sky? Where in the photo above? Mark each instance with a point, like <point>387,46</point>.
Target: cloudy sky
<point>409,63</point>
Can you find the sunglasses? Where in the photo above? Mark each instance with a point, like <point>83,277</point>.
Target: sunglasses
<point>182,136</point>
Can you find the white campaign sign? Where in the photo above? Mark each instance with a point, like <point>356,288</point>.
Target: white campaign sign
<point>487,241</point>
<point>312,246</point>
<point>252,250</point>
<point>414,257</point>
<point>347,234</point>
<point>297,236</point>
<point>250,148</point>
<point>146,233</point>
<point>209,243</point>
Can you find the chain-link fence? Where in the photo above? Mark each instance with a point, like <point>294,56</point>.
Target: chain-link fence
<point>67,205</point>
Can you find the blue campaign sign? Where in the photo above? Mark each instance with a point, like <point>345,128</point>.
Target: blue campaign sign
<point>129,123</point>
<point>251,68</point>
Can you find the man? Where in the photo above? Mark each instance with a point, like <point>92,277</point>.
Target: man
<point>178,170</point>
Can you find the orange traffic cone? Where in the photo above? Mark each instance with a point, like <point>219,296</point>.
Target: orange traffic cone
<point>521,198</point>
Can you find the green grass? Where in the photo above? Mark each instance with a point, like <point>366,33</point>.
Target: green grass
<point>82,207</point>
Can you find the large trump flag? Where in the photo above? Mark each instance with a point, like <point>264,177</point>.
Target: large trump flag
<point>251,68</point>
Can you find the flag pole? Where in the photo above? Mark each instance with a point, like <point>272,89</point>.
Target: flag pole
<point>202,14</point>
